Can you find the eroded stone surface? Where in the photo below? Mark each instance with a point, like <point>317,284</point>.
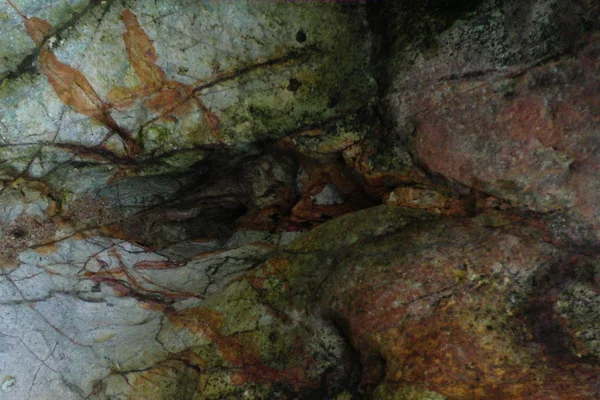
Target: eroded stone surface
<point>505,101</point>
<point>100,303</point>
<point>190,200</point>
<point>142,82</point>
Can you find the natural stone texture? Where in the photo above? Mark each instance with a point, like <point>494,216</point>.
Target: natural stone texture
<point>199,74</point>
<point>502,97</point>
<point>190,200</point>
<point>99,303</point>
<point>577,307</point>
<point>15,43</point>
<point>442,305</point>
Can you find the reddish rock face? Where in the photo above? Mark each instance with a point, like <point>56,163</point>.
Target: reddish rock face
<point>466,311</point>
<point>528,146</point>
<point>191,200</point>
<point>502,99</point>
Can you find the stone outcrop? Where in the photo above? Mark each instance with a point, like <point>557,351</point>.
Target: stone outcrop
<point>269,200</point>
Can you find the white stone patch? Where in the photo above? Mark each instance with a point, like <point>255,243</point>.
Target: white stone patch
<point>8,384</point>
<point>330,195</point>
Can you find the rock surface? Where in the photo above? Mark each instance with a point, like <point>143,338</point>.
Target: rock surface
<point>265,200</point>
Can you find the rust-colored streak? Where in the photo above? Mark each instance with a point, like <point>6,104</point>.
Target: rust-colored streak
<point>240,350</point>
<point>72,87</point>
<point>47,249</point>
<point>37,28</point>
<point>74,90</point>
<point>210,119</point>
<point>166,97</point>
<point>125,285</point>
<point>163,96</point>
<point>122,97</point>
<point>173,98</point>
<point>17,9</point>
<point>141,51</point>
<point>70,84</point>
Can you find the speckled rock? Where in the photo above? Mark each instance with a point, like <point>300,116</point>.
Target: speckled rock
<point>191,200</point>
<point>457,308</point>
<point>119,85</point>
<point>501,97</point>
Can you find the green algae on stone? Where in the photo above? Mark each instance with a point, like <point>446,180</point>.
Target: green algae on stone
<point>334,137</point>
<point>579,308</point>
<point>171,379</point>
<point>251,346</point>
<point>350,228</point>
<point>247,312</point>
<point>332,80</point>
<point>242,77</point>
<point>313,256</point>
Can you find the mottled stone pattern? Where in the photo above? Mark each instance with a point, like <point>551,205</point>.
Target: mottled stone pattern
<point>299,200</point>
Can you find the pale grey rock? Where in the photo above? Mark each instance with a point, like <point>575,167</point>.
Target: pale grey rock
<point>243,59</point>
<point>328,196</point>
<point>77,314</point>
<point>15,44</point>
